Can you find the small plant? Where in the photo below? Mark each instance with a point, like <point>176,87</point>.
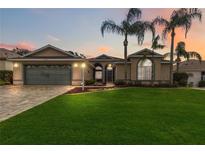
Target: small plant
<point>120,82</point>
<point>202,83</point>
<point>180,79</point>
<point>6,76</point>
<point>89,82</point>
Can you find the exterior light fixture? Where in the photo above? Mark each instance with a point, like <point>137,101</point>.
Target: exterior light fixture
<point>16,65</point>
<point>109,67</point>
<point>75,65</point>
<point>83,65</point>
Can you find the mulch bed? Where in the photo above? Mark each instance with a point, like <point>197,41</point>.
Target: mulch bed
<point>87,89</point>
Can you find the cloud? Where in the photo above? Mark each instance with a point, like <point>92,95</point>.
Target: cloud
<point>103,49</point>
<point>22,45</point>
<point>53,38</point>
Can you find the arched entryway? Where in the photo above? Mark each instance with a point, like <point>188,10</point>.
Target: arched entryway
<point>110,73</point>
<point>144,69</point>
<point>98,72</point>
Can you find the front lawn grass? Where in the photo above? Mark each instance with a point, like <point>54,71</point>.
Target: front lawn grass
<point>124,116</point>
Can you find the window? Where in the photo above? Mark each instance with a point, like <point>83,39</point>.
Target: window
<point>144,69</point>
<point>98,73</point>
<point>203,76</point>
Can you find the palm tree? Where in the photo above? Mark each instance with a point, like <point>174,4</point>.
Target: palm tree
<point>179,18</point>
<point>181,51</point>
<point>155,46</point>
<point>130,26</point>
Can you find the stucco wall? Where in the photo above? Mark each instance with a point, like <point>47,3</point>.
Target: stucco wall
<point>165,71</point>
<point>6,65</point>
<point>194,77</point>
<point>120,72</point>
<point>2,64</point>
<point>18,73</point>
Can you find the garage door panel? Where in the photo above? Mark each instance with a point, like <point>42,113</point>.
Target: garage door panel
<point>56,74</point>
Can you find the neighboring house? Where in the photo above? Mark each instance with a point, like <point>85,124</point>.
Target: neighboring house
<point>194,69</point>
<point>51,65</point>
<point>4,63</point>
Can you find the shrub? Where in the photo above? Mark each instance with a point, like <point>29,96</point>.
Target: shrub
<point>201,83</point>
<point>120,82</point>
<point>89,82</point>
<point>6,76</point>
<point>2,82</point>
<point>180,79</point>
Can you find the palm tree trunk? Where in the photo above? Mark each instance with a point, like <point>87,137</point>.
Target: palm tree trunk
<point>152,83</point>
<point>125,55</point>
<point>171,56</point>
<point>177,63</point>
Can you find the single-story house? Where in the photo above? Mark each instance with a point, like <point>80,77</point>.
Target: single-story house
<point>52,65</point>
<point>194,69</point>
<point>4,63</point>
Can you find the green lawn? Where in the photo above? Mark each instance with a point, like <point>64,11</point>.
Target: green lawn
<point>125,116</point>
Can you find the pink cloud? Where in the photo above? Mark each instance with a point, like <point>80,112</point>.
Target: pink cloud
<point>103,49</point>
<point>22,45</point>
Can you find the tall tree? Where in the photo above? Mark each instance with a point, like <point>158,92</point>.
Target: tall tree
<point>20,51</point>
<point>155,45</point>
<point>181,52</point>
<point>179,18</point>
<point>130,26</point>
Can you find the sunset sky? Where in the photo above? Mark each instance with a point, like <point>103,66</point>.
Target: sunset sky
<point>79,30</point>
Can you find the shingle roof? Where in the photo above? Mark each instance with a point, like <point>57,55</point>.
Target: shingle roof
<point>5,53</point>
<point>145,51</point>
<point>192,65</point>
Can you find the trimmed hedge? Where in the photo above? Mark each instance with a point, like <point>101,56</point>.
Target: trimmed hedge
<point>120,82</point>
<point>135,83</point>
<point>89,82</point>
<point>180,79</point>
<point>6,76</point>
<point>201,83</point>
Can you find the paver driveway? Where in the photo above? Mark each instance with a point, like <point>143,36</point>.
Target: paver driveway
<point>16,99</point>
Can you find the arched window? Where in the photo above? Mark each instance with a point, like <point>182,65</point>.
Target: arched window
<point>144,69</point>
<point>98,73</point>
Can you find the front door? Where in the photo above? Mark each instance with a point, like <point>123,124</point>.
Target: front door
<point>109,75</point>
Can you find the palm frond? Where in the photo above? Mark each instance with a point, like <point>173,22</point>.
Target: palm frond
<point>161,21</point>
<point>111,26</point>
<point>193,54</point>
<point>139,28</point>
<point>155,43</point>
<point>132,14</point>
<point>183,18</point>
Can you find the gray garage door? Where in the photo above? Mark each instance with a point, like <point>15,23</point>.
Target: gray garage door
<point>48,74</point>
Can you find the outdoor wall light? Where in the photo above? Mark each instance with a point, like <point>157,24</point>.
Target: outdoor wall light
<point>83,65</point>
<point>16,65</point>
<point>109,67</point>
<point>75,65</point>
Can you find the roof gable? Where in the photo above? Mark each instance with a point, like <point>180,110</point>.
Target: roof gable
<point>145,52</point>
<point>105,57</point>
<point>50,51</point>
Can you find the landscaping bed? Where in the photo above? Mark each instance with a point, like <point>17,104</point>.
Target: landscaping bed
<point>89,89</point>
